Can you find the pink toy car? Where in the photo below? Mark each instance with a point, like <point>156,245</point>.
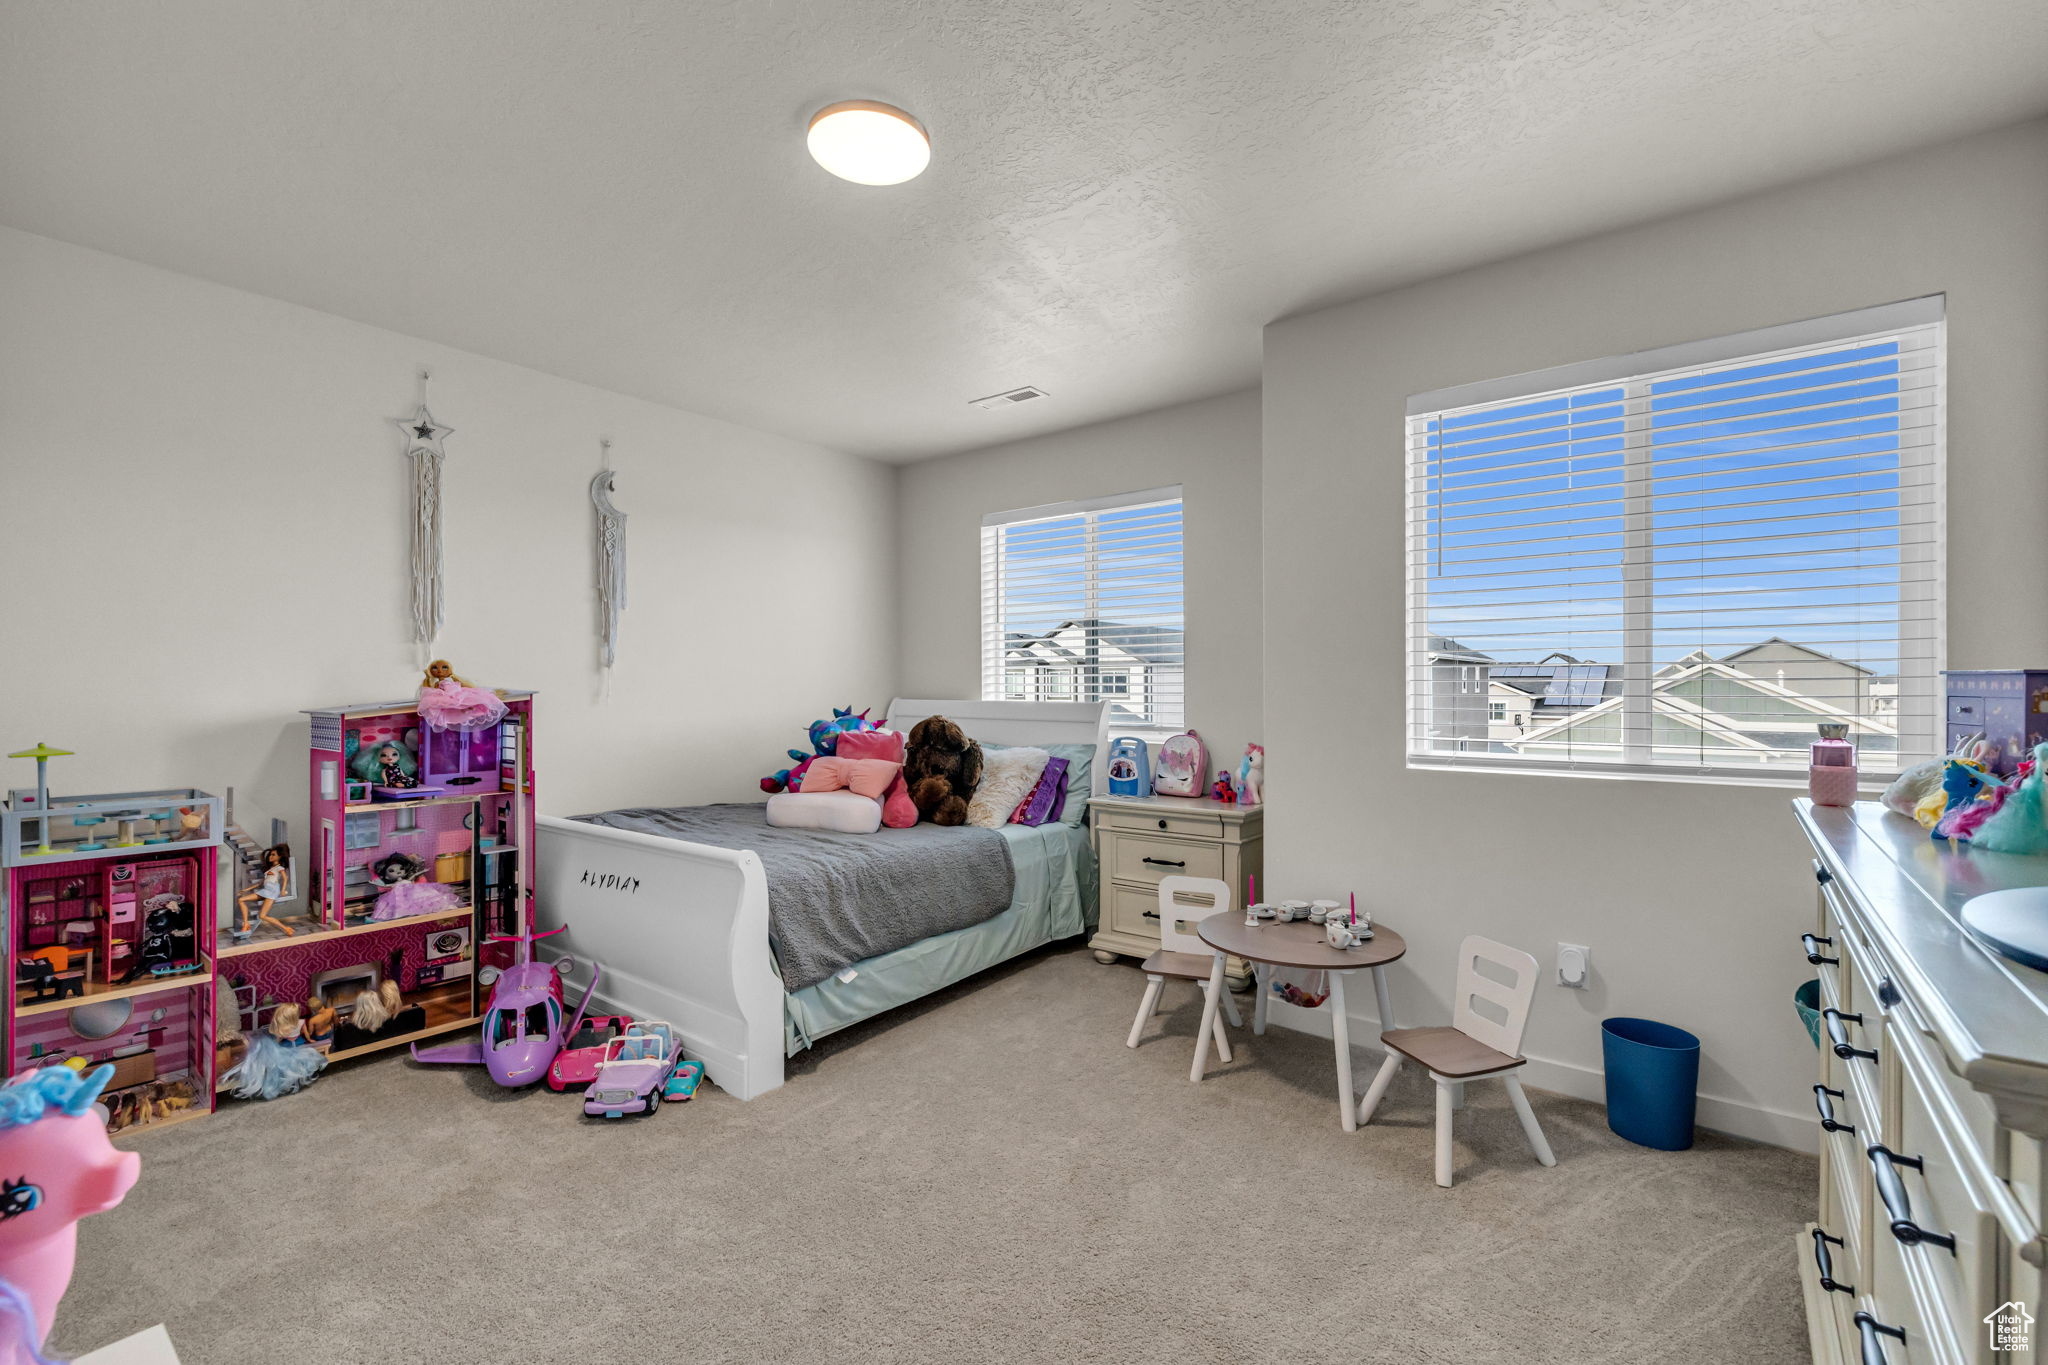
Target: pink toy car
<point>577,1062</point>
<point>630,1076</point>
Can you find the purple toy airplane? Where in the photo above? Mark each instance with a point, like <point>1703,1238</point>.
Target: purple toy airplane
<point>524,1026</point>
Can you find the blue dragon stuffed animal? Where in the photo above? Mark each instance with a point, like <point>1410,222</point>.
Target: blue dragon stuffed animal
<point>824,737</point>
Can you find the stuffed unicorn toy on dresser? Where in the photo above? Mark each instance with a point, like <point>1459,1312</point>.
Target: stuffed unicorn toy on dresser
<point>1251,776</point>
<point>58,1167</point>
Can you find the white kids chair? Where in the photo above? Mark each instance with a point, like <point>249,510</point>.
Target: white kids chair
<point>1473,1048</point>
<point>1183,956</point>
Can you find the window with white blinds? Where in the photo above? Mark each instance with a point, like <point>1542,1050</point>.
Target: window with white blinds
<point>1682,562</point>
<point>1081,601</point>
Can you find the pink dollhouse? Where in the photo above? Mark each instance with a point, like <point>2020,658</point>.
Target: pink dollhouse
<point>421,853</point>
<point>111,908</point>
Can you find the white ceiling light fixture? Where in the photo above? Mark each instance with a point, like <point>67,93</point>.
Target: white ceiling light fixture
<point>868,142</point>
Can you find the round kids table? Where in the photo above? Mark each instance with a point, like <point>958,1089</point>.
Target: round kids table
<point>1298,944</point>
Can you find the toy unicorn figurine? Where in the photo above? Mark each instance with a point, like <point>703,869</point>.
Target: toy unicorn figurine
<point>60,1167</point>
<point>1251,776</point>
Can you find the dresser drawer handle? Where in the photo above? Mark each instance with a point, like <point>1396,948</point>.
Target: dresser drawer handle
<point>1826,1263</point>
<point>1813,953</point>
<point>1162,824</point>
<point>1893,1191</point>
<point>1828,1122</point>
<point>1151,914</point>
<point>1839,1036</point>
<point>1870,1329</point>
<point>1164,862</point>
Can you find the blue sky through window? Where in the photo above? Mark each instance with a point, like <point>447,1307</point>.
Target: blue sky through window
<point>1775,507</point>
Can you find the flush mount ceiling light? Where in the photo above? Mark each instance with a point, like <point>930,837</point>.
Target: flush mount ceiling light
<point>868,143</point>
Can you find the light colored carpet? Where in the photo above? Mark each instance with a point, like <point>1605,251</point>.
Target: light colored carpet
<point>986,1176</point>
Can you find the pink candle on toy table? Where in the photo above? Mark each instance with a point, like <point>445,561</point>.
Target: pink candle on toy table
<point>1831,767</point>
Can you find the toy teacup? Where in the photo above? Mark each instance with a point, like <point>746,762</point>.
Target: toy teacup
<point>1326,910</point>
<point>1261,911</point>
<point>1293,910</point>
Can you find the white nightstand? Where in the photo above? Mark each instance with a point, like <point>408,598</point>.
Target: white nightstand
<point>1139,839</point>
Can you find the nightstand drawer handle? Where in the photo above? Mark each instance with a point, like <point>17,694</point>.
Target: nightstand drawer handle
<point>1869,1328</point>
<point>1813,953</point>
<point>1162,824</point>
<point>1892,1190</point>
<point>1163,862</point>
<point>1839,1036</point>
<point>1826,1263</point>
<point>1828,1122</point>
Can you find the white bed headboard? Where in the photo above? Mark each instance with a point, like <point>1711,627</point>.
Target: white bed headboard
<point>1016,722</point>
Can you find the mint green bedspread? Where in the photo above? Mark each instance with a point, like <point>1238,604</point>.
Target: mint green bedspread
<point>1054,899</point>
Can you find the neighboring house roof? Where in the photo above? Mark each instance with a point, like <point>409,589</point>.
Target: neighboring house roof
<point>1723,726</point>
<point>1792,644</point>
<point>1443,649</point>
<point>1156,646</point>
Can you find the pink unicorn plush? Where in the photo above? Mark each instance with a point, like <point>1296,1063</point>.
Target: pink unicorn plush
<point>56,1166</point>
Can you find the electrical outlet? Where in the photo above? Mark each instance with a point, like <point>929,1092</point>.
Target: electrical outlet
<point>1574,963</point>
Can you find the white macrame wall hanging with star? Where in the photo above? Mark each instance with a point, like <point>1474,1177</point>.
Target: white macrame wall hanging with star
<point>423,437</point>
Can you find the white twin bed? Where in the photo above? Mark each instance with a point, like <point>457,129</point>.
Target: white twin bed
<point>681,929</point>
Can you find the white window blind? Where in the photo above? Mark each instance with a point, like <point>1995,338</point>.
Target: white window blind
<point>1682,562</point>
<point>1081,601</point>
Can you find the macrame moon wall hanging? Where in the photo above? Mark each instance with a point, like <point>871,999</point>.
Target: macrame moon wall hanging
<point>423,437</point>
<point>611,563</point>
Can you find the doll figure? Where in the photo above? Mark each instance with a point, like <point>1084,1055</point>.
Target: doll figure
<point>1221,790</point>
<point>390,764</point>
<point>285,1023</point>
<point>318,1028</point>
<point>278,1061</point>
<point>263,897</point>
<point>406,892</point>
<point>166,919</point>
<point>449,702</point>
<point>372,1010</point>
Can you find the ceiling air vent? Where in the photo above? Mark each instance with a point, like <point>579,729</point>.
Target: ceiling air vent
<point>1004,400</point>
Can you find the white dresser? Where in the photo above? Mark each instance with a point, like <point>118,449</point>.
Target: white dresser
<point>1932,1098</point>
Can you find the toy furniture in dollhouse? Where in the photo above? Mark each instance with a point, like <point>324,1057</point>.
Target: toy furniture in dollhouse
<point>1183,956</point>
<point>1475,1046</point>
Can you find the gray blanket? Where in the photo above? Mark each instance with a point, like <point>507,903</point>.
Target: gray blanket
<point>835,899</point>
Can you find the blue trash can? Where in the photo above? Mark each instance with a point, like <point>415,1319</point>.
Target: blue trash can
<point>1653,1076</point>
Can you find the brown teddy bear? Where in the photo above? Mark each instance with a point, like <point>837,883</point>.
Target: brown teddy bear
<point>942,767</point>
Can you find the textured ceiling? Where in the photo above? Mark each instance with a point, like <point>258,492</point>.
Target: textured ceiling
<point>1122,192</point>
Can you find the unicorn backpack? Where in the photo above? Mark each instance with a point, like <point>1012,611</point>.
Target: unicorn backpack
<point>1183,766</point>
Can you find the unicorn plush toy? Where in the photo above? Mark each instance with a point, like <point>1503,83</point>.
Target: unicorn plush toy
<point>1251,776</point>
<point>58,1167</point>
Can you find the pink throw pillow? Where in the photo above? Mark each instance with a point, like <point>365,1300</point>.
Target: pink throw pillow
<point>884,744</point>
<point>869,777</point>
<point>898,810</point>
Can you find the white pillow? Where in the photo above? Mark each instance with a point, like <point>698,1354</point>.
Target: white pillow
<point>842,812</point>
<point>1007,777</point>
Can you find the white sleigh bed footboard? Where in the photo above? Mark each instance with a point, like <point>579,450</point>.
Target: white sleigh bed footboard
<point>681,930</point>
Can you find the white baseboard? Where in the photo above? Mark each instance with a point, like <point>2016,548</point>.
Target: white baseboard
<point>1794,1132</point>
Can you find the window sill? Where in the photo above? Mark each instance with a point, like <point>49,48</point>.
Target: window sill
<point>1872,785</point>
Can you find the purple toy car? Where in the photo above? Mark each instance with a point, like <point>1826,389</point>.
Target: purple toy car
<point>628,1080</point>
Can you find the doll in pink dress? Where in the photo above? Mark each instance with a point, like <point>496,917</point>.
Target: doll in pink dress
<point>448,702</point>
<point>406,892</point>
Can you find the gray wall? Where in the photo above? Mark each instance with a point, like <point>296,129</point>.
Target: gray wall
<point>1210,448</point>
<point>1691,896</point>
